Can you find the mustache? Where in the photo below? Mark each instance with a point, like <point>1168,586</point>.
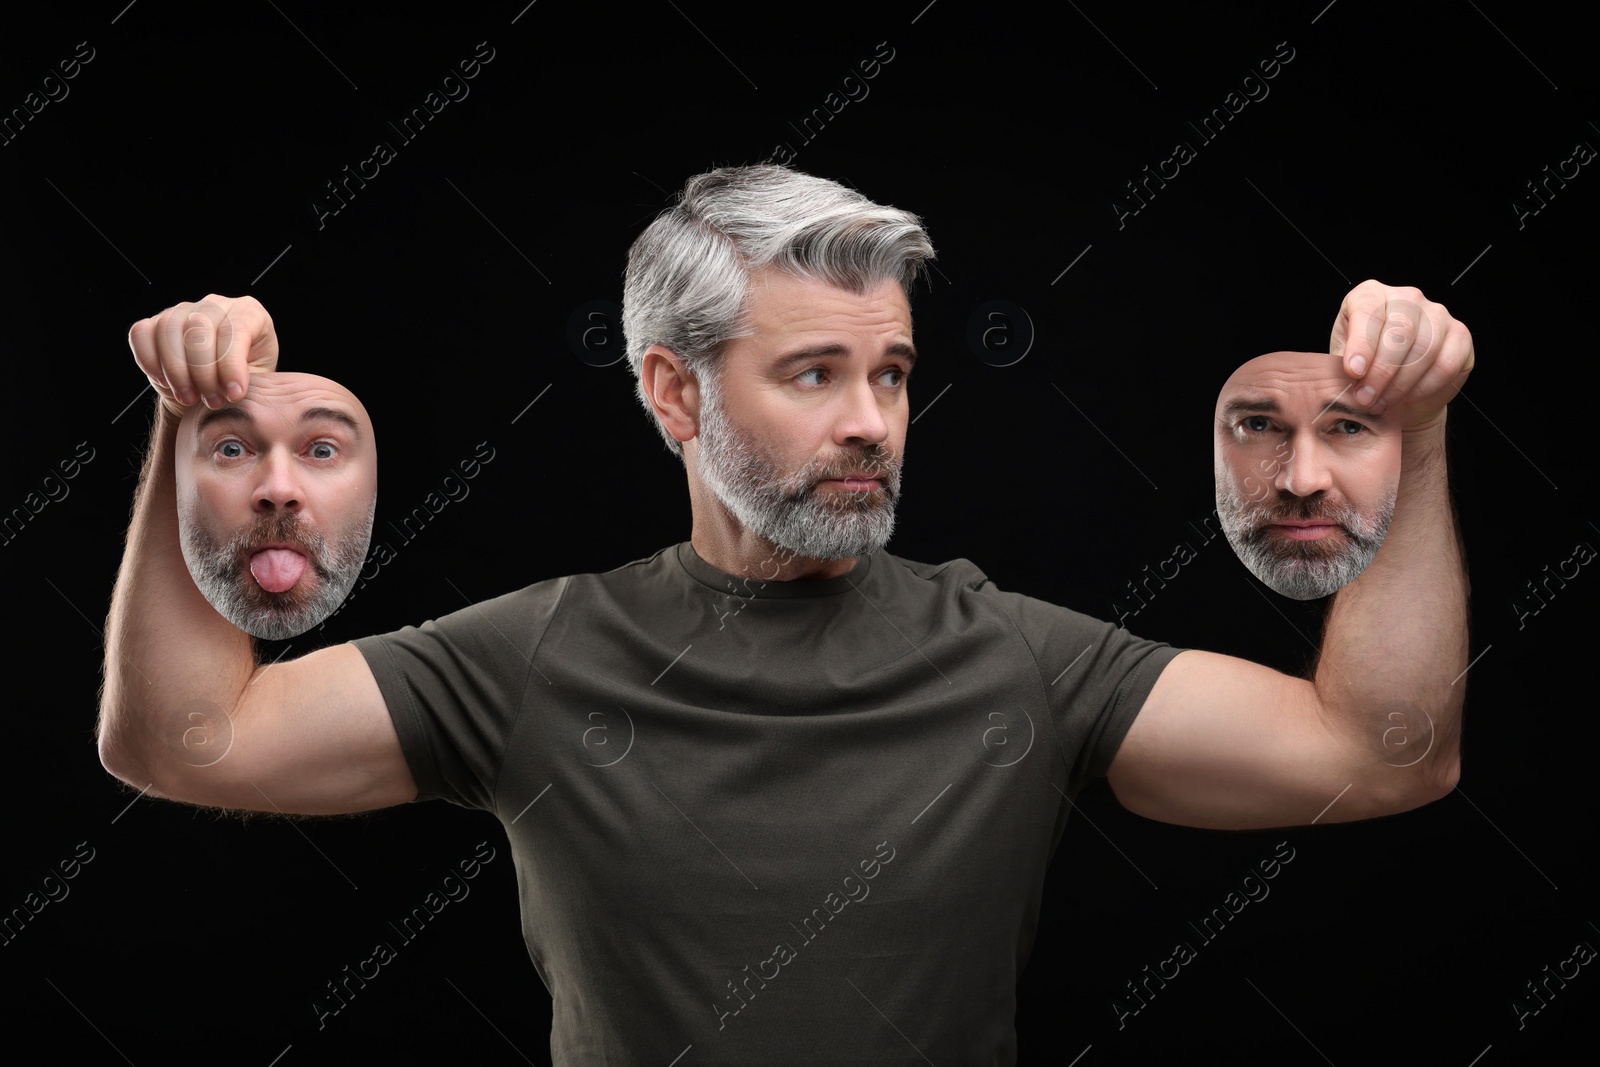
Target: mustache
<point>878,461</point>
<point>281,528</point>
<point>1301,509</point>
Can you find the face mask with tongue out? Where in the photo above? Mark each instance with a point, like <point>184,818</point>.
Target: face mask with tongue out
<point>276,494</point>
<point>279,577</point>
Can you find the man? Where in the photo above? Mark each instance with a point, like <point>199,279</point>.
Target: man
<point>774,794</point>
<point>1306,480</point>
<point>276,496</point>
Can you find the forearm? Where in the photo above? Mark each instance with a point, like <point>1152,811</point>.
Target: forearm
<point>1394,646</point>
<point>174,668</point>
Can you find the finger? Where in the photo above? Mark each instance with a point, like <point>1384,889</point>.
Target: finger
<point>1413,365</point>
<point>248,340</point>
<point>1401,336</point>
<point>1356,329</point>
<point>233,352</point>
<point>167,335</point>
<point>142,340</point>
<point>200,348</point>
<point>1446,372</point>
<point>245,342</point>
<point>205,351</point>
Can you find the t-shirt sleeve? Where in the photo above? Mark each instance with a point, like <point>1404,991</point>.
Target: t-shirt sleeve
<point>1096,677</point>
<point>455,685</point>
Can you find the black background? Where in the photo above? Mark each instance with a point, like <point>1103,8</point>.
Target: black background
<point>187,158</point>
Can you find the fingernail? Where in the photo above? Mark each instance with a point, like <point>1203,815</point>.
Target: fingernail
<point>187,395</point>
<point>213,401</point>
<point>1377,409</point>
<point>1359,364</point>
<point>1365,394</point>
<point>235,390</point>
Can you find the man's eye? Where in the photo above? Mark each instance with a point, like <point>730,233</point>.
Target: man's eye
<point>1257,424</point>
<point>900,375</point>
<point>323,450</point>
<point>230,450</point>
<point>801,377</point>
<point>1349,427</point>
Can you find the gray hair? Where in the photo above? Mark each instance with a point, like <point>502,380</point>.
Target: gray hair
<point>688,275</point>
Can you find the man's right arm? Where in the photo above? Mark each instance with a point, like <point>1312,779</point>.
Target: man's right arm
<point>185,710</point>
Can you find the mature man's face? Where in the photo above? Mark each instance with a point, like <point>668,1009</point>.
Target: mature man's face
<point>1306,480</point>
<point>803,426</point>
<point>276,495</point>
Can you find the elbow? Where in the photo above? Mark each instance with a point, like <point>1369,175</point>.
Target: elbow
<point>1404,784</point>
<point>1393,790</point>
<point>117,755</point>
<point>1446,774</point>
<point>120,765</point>
<point>185,769</point>
<point>1443,766</point>
<point>1435,780</point>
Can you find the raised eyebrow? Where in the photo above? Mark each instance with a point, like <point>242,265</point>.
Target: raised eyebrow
<point>344,418</point>
<point>239,416</point>
<point>228,414</point>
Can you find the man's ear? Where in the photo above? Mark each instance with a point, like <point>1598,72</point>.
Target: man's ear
<point>674,394</point>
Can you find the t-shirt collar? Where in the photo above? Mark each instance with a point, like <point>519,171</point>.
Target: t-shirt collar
<point>754,586</point>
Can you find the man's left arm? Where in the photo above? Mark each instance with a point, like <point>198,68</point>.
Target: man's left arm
<point>1225,743</point>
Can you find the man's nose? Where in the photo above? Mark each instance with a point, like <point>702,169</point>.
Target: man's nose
<point>862,417</point>
<point>1308,470</point>
<point>277,482</point>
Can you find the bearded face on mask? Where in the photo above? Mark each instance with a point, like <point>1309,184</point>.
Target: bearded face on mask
<point>1299,565</point>
<point>241,576</point>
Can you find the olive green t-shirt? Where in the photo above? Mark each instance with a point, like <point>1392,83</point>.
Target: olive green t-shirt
<point>771,822</point>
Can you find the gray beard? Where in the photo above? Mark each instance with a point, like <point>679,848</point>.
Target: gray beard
<point>221,571</point>
<point>788,510</point>
<point>1300,570</point>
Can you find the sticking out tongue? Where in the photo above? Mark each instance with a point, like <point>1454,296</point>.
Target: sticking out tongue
<point>277,569</point>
